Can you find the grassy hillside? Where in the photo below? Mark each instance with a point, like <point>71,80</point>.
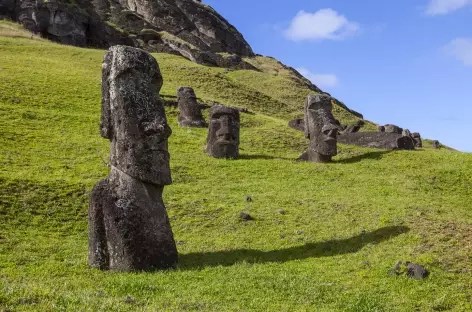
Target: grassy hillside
<point>324,238</point>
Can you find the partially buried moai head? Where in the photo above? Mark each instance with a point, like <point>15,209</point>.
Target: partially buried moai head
<point>133,115</point>
<point>190,112</point>
<point>320,126</point>
<point>223,132</point>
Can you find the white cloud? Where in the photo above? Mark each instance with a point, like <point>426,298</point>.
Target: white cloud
<point>323,24</point>
<point>320,80</point>
<point>441,7</point>
<point>461,49</point>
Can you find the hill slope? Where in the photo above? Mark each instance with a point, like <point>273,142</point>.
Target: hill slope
<point>324,238</point>
<point>184,27</point>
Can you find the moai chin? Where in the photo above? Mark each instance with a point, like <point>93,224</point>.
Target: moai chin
<point>129,229</point>
<point>223,132</point>
<point>320,129</point>
<point>190,112</point>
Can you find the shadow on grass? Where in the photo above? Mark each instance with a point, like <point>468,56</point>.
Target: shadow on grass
<point>312,250</point>
<point>266,157</point>
<point>370,155</point>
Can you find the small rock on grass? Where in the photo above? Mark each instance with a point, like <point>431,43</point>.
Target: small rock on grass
<point>411,270</point>
<point>245,216</point>
<point>129,299</point>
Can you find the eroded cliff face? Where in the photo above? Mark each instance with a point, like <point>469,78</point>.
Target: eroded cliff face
<point>185,27</point>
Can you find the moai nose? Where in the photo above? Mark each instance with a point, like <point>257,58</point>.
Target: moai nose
<point>329,129</point>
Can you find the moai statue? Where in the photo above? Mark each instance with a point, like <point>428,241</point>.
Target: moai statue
<point>389,128</point>
<point>190,112</point>
<point>320,128</point>
<point>129,229</point>
<point>406,132</point>
<point>417,138</point>
<point>223,132</point>
<point>436,144</point>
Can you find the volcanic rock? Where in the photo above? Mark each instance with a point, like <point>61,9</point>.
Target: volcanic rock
<point>382,140</point>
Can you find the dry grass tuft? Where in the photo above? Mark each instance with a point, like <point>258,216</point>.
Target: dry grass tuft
<point>14,30</point>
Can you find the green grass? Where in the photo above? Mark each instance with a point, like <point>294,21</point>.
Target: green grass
<point>325,235</point>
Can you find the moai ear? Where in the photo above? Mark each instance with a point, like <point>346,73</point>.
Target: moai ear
<point>305,118</point>
<point>106,130</point>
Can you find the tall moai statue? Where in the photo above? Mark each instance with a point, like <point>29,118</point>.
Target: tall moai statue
<point>129,229</point>
<point>190,112</point>
<point>320,129</point>
<point>223,132</point>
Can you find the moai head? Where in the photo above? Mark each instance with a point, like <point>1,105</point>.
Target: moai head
<point>223,133</point>
<point>320,127</point>
<point>417,138</point>
<point>190,112</point>
<point>133,115</point>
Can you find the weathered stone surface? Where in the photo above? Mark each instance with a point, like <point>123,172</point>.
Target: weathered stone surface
<point>411,270</point>
<point>59,21</point>
<point>320,129</point>
<point>245,216</point>
<point>185,27</point>
<point>416,271</point>
<point>436,144</point>
<point>406,132</point>
<point>297,124</point>
<point>353,128</point>
<point>223,132</point>
<point>190,111</point>
<point>392,129</point>
<point>137,126</point>
<point>382,140</point>
<point>417,138</point>
<point>234,61</point>
<point>129,228</point>
<point>381,128</point>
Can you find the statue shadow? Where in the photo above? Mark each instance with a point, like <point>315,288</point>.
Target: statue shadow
<point>264,157</point>
<point>329,248</point>
<point>377,155</point>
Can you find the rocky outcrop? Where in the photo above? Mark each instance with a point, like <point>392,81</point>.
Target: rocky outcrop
<point>184,27</point>
<point>417,138</point>
<point>382,140</point>
<point>187,28</point>
<point>391,129</point>
<point>63,22</point>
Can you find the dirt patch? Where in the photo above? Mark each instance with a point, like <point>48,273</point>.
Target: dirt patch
<point>449,241</point>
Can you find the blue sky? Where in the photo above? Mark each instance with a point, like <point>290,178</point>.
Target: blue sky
<point>406,62</point>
